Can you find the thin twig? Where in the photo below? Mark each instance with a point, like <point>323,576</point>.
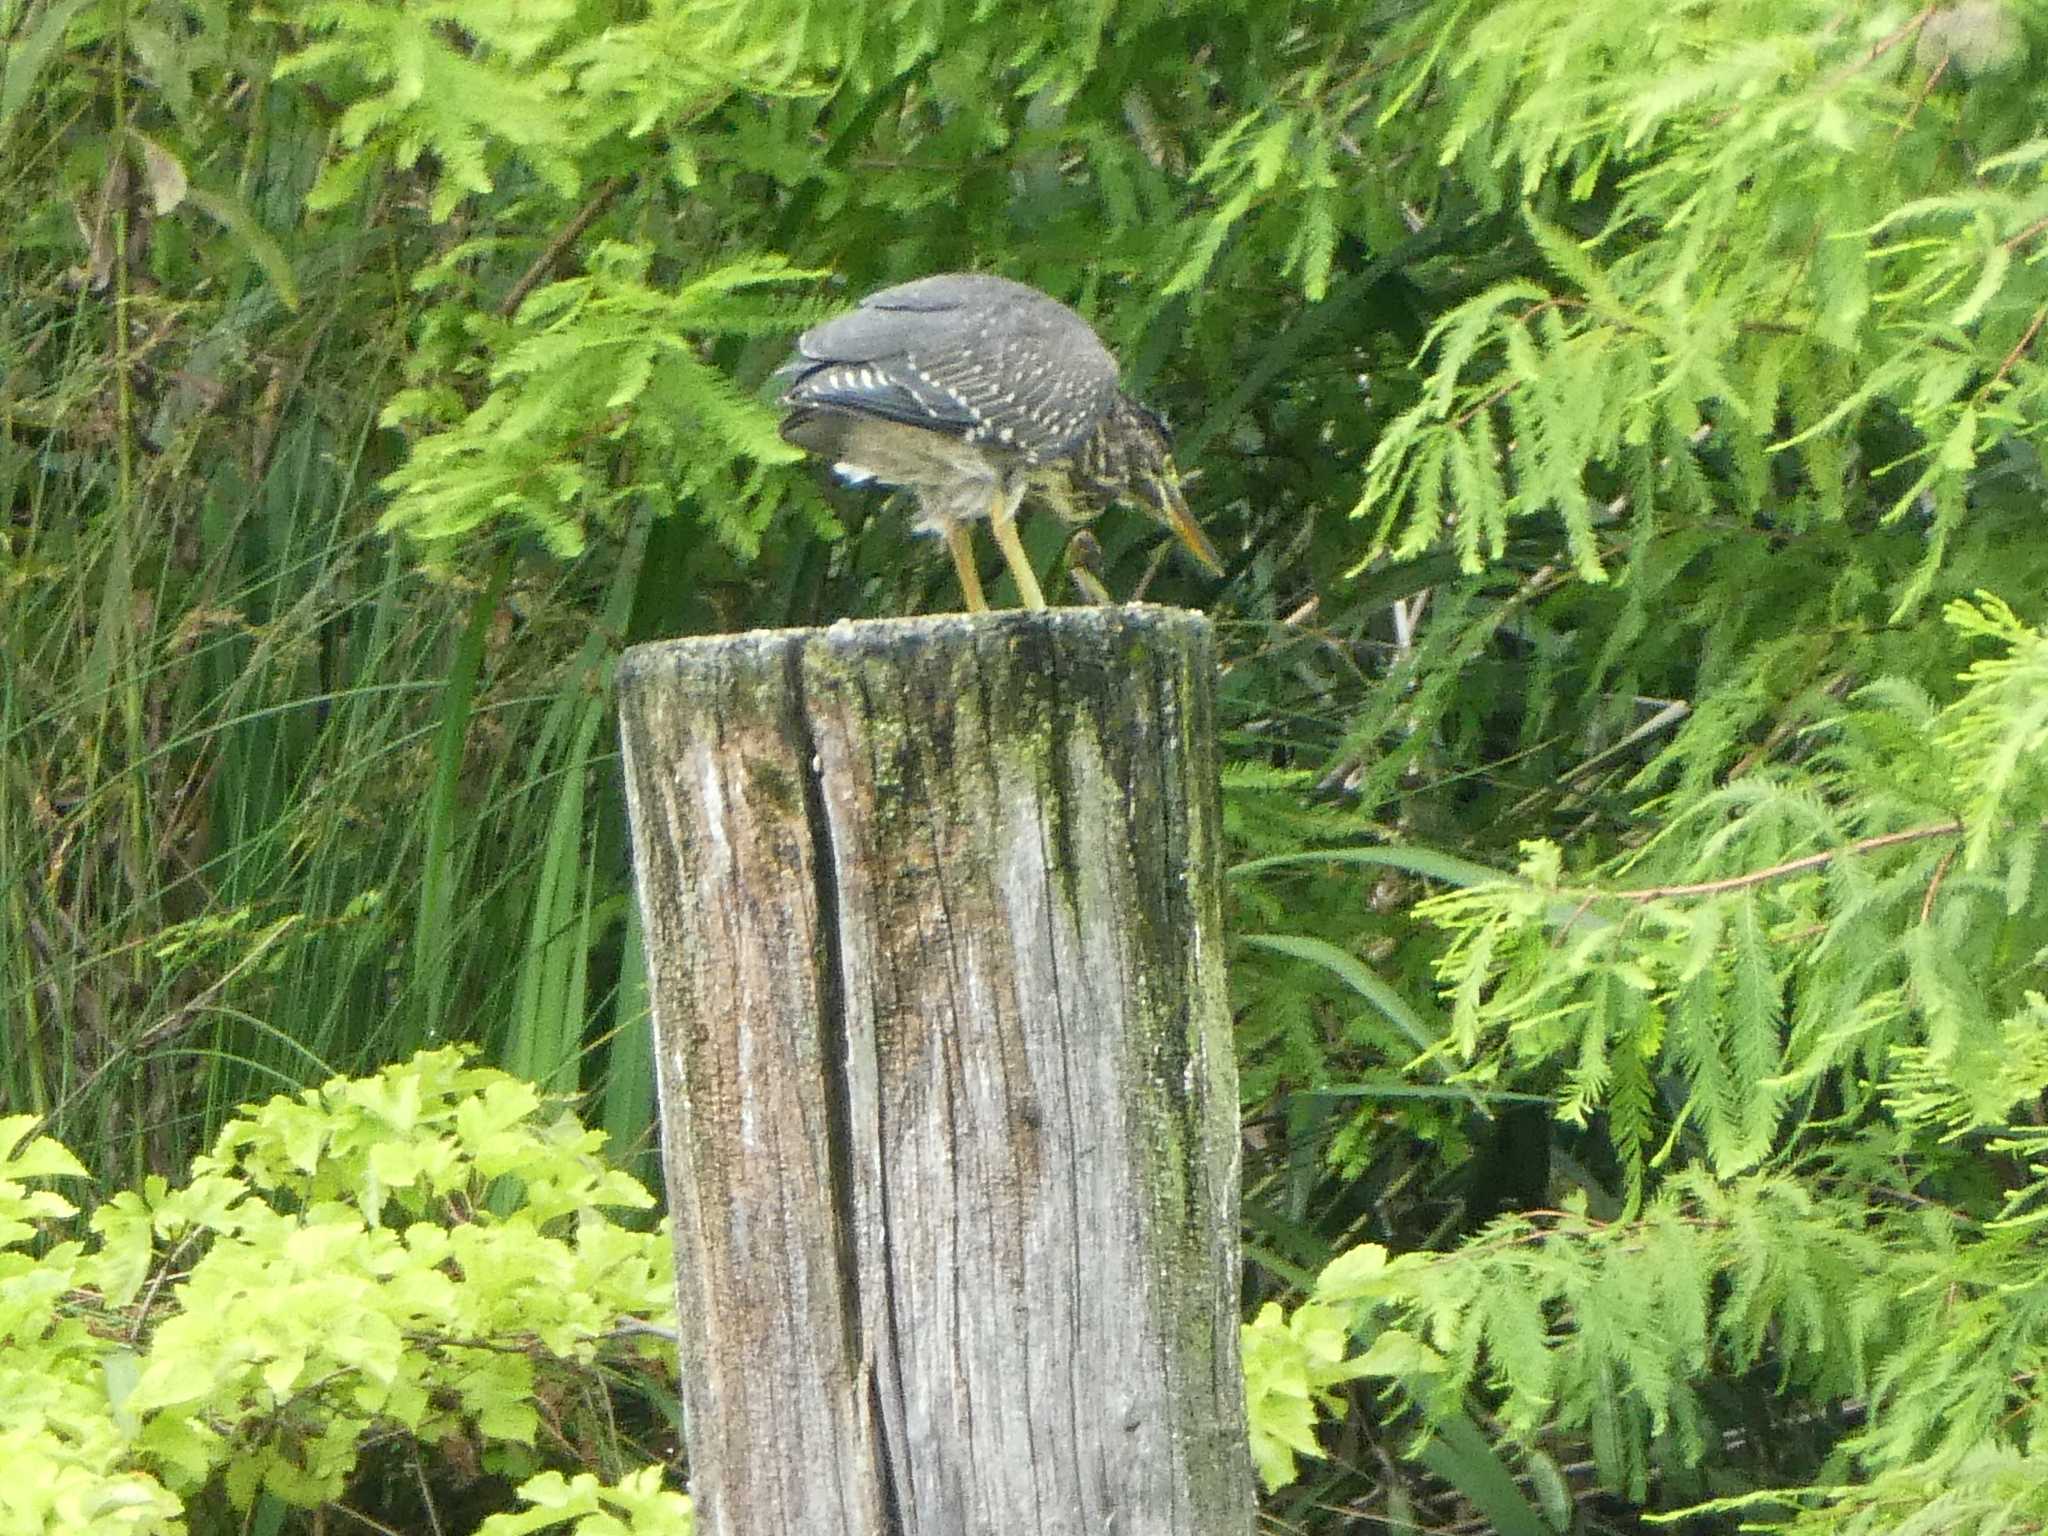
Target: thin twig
<point>570,232</point>
<point>1934,885</point>
<point>1920,99</point>
<point>1791,866</point>
<point>2018,348</point>
<point>367,1520</point>
<point>1881,47</point>
<point>1499,394</point>
<point>419,1469</point>
<point>2014,242</point>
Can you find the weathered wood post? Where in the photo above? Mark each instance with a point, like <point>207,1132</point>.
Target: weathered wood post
<point>949,1110</point>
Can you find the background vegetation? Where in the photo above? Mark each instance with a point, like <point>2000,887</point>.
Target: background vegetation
<point>1623,425</point>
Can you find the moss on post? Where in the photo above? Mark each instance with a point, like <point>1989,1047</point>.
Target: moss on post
<point>948,1099</point>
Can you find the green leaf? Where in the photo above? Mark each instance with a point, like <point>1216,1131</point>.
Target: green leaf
<point>1355,975</point>
<point>39,1158</point>
<point>254,240</point>
<point>27,55</point>
<point>1459,1454</point>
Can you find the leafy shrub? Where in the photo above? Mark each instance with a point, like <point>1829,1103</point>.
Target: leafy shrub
<point>427,1253</point>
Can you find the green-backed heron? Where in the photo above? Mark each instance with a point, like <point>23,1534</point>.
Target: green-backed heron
<point>971,392</point>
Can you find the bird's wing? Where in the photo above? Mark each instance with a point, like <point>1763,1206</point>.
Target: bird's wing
<point>978,357</point>
<point>927,315</point>
<point>877,389</point>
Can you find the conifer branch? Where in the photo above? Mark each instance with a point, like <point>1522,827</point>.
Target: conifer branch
<point>2014,241</point>
<point>1798,866</point>
<point>543,264</point>
<point>2019,347</point>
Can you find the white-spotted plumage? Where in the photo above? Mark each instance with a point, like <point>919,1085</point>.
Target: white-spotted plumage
<point>972,391</point>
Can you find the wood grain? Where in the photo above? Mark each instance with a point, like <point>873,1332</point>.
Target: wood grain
<point>948,1101</point>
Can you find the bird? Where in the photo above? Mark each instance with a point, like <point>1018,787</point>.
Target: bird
<point>972,392</point>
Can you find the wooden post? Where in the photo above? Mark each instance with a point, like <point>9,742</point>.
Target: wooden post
<point>948,1103</point>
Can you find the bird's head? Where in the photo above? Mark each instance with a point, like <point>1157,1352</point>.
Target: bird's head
<point>1131,459</point>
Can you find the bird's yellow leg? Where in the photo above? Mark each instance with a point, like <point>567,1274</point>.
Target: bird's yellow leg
<point>1084,564</point>
<point>960,544</point>
<point>1003,519</point>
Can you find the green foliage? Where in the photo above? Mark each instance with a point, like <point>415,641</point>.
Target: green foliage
<point>1293,1361</point>
<point>602,362</point>
<point>1843,942</point>
<point>1612,1332</point>
<point>1753,377</point>
<point>418,87</point>
<point>637,1503</point>
<point>475,91</point>
<point>1902,851</point>
<point>1772,247</point>
<point>1636,880</point>
<point>1607,1330</point>
<point>426,1253</point>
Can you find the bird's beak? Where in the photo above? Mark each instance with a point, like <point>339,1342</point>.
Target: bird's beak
<point>1173,510</point>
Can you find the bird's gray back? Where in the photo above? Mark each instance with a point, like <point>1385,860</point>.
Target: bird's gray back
<point>976,356</point>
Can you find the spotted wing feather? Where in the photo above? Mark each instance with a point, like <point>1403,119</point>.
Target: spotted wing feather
<point>977,357</point>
